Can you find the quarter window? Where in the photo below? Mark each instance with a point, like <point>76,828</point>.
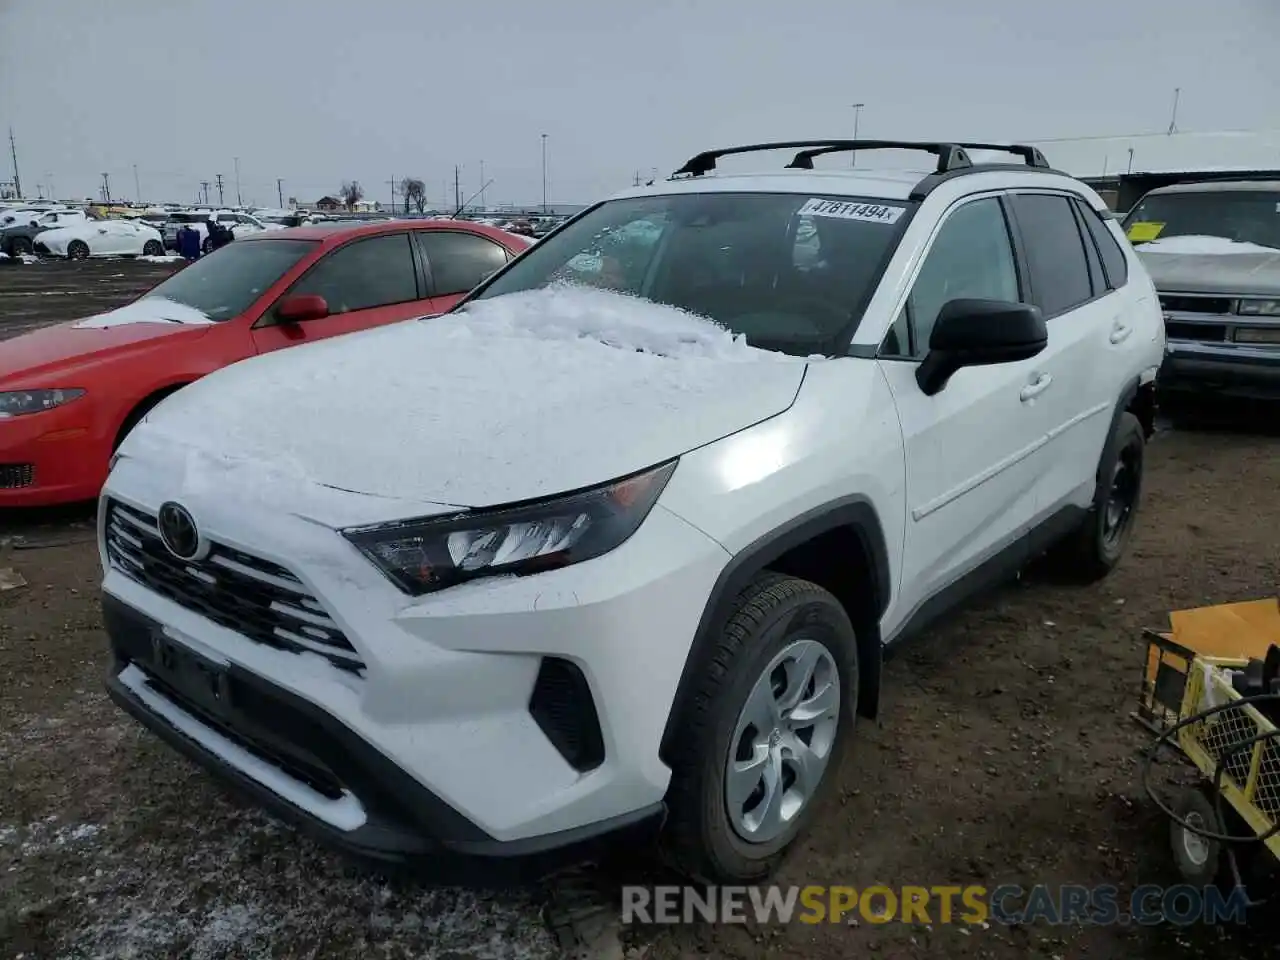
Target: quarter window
<point>1055,252</point>
<point>1113,259</point>
<point>971,258</point>
<point>368,273</point>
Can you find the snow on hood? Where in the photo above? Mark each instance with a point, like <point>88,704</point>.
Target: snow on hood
<point>1203,245</point>
<point>514,398</point>
<point>147,310</point>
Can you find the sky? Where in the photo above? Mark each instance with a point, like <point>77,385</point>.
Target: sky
<point>316,92</point>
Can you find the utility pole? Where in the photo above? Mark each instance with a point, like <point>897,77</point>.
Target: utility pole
<point>483,183</point>
<point>236,161</point>
<point>280,191</point>
<point>106,187</point>
<point>457,188</point>
<point>218,178</point>
<point>204,185</point>
<point>392,184</point>
<point>137,189</point>
<point>544,173</point>
<point>857,115</point>
<point>53,194</point>
<point>13,152</point>
<point>635,181</point>
<point>1173,117</point>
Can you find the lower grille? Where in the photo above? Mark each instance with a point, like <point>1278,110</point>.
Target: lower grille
<point>15,476</point>
<point>1203,332</point>
<point>257,599</point>
<point>562,707</point>
<point>1193,304</point>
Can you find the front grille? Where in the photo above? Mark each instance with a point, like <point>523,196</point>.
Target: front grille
<point>1204,332</point>
<point>1192,304</point>
<point>257,599</point>
<point>14,476</point>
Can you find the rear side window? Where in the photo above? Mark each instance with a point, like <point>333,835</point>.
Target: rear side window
<point>1055,252</point>
<point>1113,258</point>
<point>459,261</point>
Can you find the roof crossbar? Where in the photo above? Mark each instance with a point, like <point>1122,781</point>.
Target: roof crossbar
<point>705,162</point>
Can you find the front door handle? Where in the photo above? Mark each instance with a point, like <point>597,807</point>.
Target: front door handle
<point>1120,332</point>
<point>1036,387</point>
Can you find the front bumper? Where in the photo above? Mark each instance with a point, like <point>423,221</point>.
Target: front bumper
<point>1232,370</point>
<point>297,761</point>
<point>448,685</point>
<point>51,458</point>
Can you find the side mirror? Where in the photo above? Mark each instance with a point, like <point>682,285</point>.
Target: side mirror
<point>975,333</point>
<point>299,309</point>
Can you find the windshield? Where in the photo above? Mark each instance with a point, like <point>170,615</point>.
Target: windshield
<point>226,282</point>
<point>1246,216</point>
<point>789,272</point>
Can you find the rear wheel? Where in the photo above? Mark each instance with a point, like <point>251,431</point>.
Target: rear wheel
<point>760,738</point>
<point>152,248</point>
<point>78,250</point>
<point>207,246</point>
<point>1097,545</point>
<point>20,246</point>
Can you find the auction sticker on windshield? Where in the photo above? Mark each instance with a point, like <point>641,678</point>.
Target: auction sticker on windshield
<point>1144,231</point>
<point>848,210</point>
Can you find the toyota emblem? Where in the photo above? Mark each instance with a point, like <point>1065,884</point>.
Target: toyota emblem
<point>178,531</point>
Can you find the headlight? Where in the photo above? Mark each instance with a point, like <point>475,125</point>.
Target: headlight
<point>422,556</point>
<point>19,402</point>
<point>1260,308</point>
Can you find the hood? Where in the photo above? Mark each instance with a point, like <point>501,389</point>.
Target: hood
<point>97,338</point>
<point>1211,265</point>
<point>514,398</point>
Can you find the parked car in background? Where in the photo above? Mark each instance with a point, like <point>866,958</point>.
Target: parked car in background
<point>1213,250</point>
<point>100,238</point>
<point>241,225</point>
<point>19,216</point>
<point>19,238</point>
<point>70,393</point>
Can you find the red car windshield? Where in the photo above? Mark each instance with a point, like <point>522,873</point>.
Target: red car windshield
<point>225,283</point>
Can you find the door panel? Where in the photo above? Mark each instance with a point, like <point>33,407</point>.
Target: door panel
<point>367,283</point>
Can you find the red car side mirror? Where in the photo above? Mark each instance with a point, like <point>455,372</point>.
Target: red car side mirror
<point>299,309</point>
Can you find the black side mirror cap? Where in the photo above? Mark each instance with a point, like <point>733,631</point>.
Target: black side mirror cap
<point>973,333</point>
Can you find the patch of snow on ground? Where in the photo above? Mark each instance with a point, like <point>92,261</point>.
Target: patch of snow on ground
<point>570,312</point>
<point>1194,244</point>
<point>43,835</point>
<point>166,259</point>
<point>147,310</point>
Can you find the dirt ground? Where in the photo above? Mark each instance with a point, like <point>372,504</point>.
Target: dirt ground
<point>1004,754</point>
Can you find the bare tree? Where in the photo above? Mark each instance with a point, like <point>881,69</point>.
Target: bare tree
<point>351,193</point>
<point>414,191</point>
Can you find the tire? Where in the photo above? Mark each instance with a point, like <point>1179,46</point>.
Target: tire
<point>153,248</point>
<point>1200,860</point>
<point>207,246</point>
<point>1096,546</point>
<point>20,246</point>
<point>708,834</point>
<point>77,250</point>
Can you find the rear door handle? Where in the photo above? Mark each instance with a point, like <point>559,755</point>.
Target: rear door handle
<point>1120,332</point>
<point>1035,388</point>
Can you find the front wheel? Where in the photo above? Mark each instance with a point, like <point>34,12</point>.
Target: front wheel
<point>77,250</point>
<point>207,246</point>
<point>759,740</point>
<point>152,248</point>
<point>20,246</point>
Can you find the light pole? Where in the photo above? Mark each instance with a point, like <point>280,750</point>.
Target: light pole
<point>857,113</point>
<point>239,201</point>
<point>483,207</point>
<point>544,173</point>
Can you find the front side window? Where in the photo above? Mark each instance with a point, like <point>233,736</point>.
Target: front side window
<point>971,258</point>
<point>1245,216</point>
<point>790,272</point>
<point>225,283</point>
<point>363,274</point>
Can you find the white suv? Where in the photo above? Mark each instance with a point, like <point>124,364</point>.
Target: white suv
<point>571,560</point>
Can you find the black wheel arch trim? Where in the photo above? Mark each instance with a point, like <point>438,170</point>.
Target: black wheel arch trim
<point>854,512</point>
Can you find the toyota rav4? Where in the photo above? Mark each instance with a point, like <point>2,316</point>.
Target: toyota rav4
<point>619,542</point>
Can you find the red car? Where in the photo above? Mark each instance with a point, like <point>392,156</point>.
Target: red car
<point>69,393</point>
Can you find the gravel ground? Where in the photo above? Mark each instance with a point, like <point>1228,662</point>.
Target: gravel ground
<point>1004,754</point>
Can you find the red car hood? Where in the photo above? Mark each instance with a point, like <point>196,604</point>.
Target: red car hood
<point>54,348</point>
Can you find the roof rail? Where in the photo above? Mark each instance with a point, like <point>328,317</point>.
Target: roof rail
<point>1032,155</point>
<point>705,162</point>
<point>950,156</point>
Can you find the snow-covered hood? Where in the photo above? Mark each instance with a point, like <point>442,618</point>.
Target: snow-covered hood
<point>515,398</point>
<point>1212,265</point>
